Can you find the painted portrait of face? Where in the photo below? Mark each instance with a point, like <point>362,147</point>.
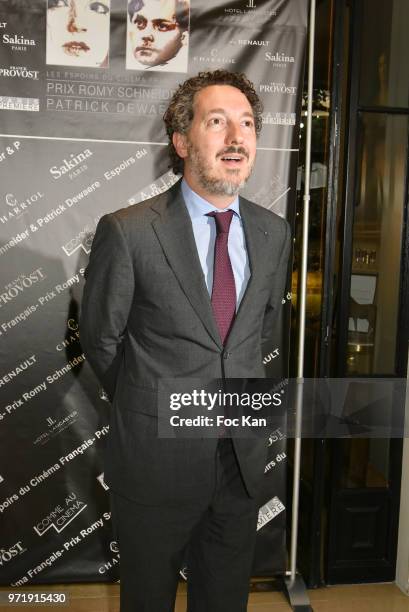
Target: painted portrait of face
<point>157,35</point>
<point>78,33</point>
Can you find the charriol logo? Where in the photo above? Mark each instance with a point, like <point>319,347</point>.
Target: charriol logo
<point>18,40</point>
<point>18,207</point>
<point>69,164</point>
<point>20,72</point>
<point>279,58</point>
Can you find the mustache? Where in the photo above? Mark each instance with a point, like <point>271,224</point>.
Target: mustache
<point>234,150</point>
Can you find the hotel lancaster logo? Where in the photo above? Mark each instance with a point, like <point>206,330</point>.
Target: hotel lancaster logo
<point>61,515</point>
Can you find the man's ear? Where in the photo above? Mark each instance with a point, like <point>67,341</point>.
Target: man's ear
<point>180,143</point>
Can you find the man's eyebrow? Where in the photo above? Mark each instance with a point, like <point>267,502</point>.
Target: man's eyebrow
<point>223,112</point>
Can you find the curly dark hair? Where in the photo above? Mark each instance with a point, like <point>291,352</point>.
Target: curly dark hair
<point>181,11</point>
<point>179,113</point>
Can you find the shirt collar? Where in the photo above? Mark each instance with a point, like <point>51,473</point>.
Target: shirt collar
<point>199,207</point>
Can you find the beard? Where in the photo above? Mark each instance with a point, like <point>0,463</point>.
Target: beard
<point>217,186</point>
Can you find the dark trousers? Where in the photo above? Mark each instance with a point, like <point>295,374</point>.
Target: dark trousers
<point>215,534</point>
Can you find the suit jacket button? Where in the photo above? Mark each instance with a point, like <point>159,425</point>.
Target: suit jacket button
<point>226,355</point>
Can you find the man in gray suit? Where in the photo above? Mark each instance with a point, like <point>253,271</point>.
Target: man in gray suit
<point>186,285</point>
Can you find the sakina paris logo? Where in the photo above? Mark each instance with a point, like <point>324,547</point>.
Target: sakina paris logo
<point>279,58</point>
<point>18,40</point>
<point>74,160</point>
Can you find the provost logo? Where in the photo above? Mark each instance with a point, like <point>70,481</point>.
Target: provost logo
<point>18,40</point>
<point>74,160</point>
<point>20,72</point>
<point>60,516</point>
<point>21,284</point>
<point>18,207</point>
<point>7,554</point>
<point>278,88</point>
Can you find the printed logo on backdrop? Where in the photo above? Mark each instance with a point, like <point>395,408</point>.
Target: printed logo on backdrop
<point>279,59</point>
<point>277,88</point>
<point>102,482</point>
<point>215,58</point>
<point>269,511</point>
<point>244,42</point>
<point>13,147</point>
<point>17,206</point>
<point>19,72</point>
<point>271,192</point>
<point>18,42</point>
<point>1,479</point>
<point>163,183</point>
<point>72,166</point>
<point>250,11</point>
<point>279,118</point>
<point>20,285</point>
<point>61,515</point>
<point>55,427</point>
<point>82,240</point>
<point>71,337</point>
<point>114,560</point>
<point>19,369</point>
<point>9,553</point>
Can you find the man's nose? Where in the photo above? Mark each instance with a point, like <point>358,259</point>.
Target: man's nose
<point>148,34</point>
<point>234,134</point>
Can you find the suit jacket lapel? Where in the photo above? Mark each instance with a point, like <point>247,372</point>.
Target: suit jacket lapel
<point>256,240</point>
<point>173,229</point>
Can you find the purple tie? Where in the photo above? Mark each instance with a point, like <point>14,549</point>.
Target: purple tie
<point>224,288</point>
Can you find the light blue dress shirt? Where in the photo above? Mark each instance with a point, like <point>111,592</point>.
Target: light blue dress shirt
<point>204,230</point>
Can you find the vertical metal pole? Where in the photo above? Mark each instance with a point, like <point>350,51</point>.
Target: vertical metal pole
<point>303,298</point>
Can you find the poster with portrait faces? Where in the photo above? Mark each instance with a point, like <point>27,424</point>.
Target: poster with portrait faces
<point>84,85</point>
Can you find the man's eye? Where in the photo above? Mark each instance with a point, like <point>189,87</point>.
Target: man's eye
<point>99,7</point>
<point>248,123</point>
<point>164,26</point>
<point>140,23</point>
<point>216,122</point>
<point>57,3</point>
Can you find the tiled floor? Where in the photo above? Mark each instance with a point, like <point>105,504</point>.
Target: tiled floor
<point>357,598</point>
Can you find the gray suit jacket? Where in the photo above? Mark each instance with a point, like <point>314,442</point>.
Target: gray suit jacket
<point>147,315</point>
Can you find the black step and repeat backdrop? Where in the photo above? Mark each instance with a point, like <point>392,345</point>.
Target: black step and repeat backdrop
<point>83,87</point>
